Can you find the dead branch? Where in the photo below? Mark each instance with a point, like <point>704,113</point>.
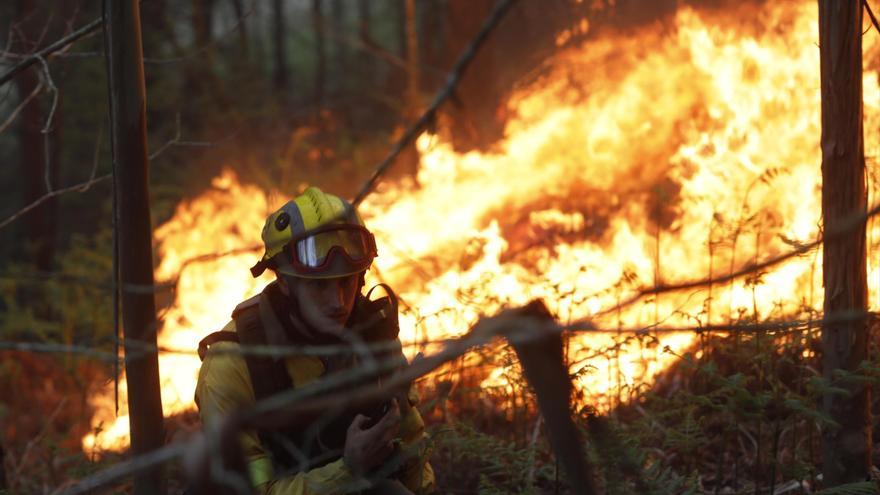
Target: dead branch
<point>49,50</point>
<point>461,65</point>
<point>84,186</point>
<point>841,229</point>
<point>544,367</point>
<point>277,410</point>
<point>871,15</point>
<point>47,127</point>
<point>235,27</point>
<point>20,106</point>
<point>123,470</point>
<point>332,350</point>
<point>51,194</point>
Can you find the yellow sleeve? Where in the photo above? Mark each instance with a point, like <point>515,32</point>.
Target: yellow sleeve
<point>417,475</point>
<point>325,480</point>
<point>223,386</point>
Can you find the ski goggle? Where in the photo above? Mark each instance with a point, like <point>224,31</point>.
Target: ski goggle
<point>320,250</point>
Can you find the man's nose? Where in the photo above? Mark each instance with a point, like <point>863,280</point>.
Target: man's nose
<point>335,296</point>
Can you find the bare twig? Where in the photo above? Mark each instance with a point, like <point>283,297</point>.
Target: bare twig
<point>84,186</point>
<point>42,199</point>
<point>202,49</point>
<point>47,127</point>
<point>49,50</point>
<point>30,445</point>
<point>871,15</point>
<point>314,399</point>
<point>39,347</point>
<point>95,161</point>
<point>123,470</point>
<point>176,141</point>
<point>276,409</point>
<point>20,107</point>
<point>841,229</point>
<point>340,33</point>
<point>452,80</point>
<point>331,350</point>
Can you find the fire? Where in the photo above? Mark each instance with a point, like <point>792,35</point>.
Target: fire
<point>657,156</point>
<point>219,221</point>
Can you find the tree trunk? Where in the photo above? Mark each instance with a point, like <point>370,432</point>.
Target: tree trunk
<point>846,450</point>
<point>412,60</point>
<point>279,76</point>
<point>400,19</point>
<point>238,7</point>
<point>364,64</point>
<point>3,483</point>
<point>433,34</point>
<point>320,54</point>
<point>479,93</point>
<point>364,22</point>
<point>409,158</point>
<point>40,228</point>
<point>340,49</point>
<point>129,142</point>
<point>202,86</point>
<point>202,20</point>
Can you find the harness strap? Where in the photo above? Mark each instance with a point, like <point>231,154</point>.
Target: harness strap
<point>268,375</point>
<point>211,339</point>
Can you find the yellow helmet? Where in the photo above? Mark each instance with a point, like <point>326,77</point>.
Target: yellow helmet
<point>316,235</point>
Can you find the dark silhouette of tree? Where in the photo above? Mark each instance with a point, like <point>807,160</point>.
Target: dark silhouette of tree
<point>280,77</point>
<point>134,232</point>
<point>243,42</point>
<point>40,229</point>
<point>847,449</point>
<point>320,54</point>
<point>340,49</point>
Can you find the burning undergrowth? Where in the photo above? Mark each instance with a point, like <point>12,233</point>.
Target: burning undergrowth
<point>677,151</point>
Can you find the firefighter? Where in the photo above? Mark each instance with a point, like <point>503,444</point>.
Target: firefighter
<point>319,250</point>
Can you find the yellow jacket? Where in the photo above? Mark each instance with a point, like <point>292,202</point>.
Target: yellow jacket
<point>224,385</point>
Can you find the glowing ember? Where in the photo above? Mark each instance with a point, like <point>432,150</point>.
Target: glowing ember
<point>659,156</point>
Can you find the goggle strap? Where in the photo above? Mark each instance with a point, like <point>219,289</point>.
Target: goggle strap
<point>258,269</point>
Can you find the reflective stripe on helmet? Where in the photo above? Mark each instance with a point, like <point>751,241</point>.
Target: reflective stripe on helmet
<point>307,212</point>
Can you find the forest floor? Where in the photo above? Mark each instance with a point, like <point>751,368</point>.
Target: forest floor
<point>741,418</point>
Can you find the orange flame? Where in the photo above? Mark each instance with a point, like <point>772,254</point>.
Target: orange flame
<point>659,156</point>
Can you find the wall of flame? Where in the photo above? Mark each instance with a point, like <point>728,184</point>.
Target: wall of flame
<point>671,153</point>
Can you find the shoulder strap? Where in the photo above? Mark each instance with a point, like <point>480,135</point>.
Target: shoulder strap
<point>382,313</point>
<point>211,339</point>
<point>268,376</point>
<point>247,303</point>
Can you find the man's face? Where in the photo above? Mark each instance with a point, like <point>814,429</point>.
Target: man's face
<point>326,303</point>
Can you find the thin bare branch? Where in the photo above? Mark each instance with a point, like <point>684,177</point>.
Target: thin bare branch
<point>123,470</point>
<point>42,199</point>
<point>47,127</point>
<point>49,50</point>
<point>871,15</point>
<point>452,80</point>
<point>177,141</point>
<point>842,228</point>
<point>202,49</point>
<point>95,160</point>
<point>20,107</point>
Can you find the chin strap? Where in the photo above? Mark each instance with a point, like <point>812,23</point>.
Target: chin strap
<point>259,268</point>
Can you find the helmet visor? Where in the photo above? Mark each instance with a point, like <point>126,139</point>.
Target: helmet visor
<point>318,250</point>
